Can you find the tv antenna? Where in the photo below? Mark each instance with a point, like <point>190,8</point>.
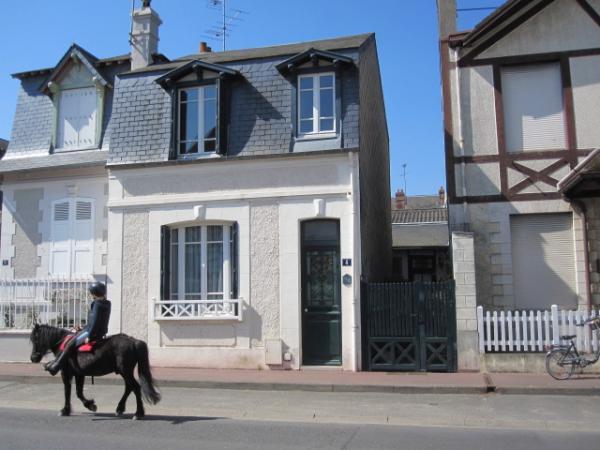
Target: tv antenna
<point>230,18</point>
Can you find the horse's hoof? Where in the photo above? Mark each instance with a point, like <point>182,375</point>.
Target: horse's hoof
<point>93,407</point>
<point>136,417</point>
<point>64,413</point>
<point>118,413</point>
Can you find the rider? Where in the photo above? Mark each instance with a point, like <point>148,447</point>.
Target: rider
<point>96,327</point>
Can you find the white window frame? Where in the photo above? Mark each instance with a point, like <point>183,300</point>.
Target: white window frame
<point>72,202</point>
<point>316,77</point>
<point>201,153</point>
<point>181,243</point>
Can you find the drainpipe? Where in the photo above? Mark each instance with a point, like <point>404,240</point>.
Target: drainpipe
<point>580,208</point>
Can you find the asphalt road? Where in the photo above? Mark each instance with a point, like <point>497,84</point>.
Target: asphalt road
<point>31,429</point>
<point>222,418</point>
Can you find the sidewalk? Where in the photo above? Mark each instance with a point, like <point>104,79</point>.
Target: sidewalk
<point>338,381</point>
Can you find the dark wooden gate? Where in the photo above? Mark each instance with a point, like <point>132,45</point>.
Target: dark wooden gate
<point>409,326</point>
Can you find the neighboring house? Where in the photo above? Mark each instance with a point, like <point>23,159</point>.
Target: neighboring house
<point>420,238</point>
<point>3,147</point>
<point>521,106</point>
<point>234,200</point>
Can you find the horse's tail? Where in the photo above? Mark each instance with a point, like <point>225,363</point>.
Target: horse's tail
<point>149,391</point>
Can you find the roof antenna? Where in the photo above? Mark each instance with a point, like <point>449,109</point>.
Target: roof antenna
<point>229,19</point>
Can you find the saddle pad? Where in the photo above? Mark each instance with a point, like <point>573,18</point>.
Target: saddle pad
<point>82,348</point>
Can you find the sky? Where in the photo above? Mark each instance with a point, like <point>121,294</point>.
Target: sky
<point>36,34</point>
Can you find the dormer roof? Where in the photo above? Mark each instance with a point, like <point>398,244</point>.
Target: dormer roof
<point>81,55</point>
<point>313,55</point>
<point>194,66</point>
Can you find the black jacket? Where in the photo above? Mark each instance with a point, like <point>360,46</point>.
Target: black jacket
<point>97,322</point>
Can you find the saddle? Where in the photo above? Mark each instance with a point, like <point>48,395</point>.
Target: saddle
<point>84,348</point>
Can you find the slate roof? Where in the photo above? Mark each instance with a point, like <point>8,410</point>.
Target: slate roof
<point>84,158</point>
<point>429,215</point>
<point>340,43</point>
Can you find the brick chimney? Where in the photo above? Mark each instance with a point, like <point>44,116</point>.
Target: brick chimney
<point>400,199</point>
<point>204,48</point>
<point>144,36</point>
<point>442,197</point>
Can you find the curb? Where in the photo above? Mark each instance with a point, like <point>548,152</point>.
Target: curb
<point>489,388</point>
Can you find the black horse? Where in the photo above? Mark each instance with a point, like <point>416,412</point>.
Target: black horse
<point>119,353</point>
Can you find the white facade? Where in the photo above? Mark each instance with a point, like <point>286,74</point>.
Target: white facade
<point>29,231</point>
<point>268,199</point>
<point>510,148</point>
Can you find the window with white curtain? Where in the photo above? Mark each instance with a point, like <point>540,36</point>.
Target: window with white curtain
<point>201,262</point>
<point>532,100</point>
<point>197,120</point>
<point>316,104</point>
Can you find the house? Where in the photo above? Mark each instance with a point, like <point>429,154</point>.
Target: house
<point>232,200</point>
<point>420,238</point>
<point>521,94</point>
<point>3,146</point>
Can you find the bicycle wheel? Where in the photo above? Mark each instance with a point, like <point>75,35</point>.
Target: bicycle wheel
<point>560,364</point>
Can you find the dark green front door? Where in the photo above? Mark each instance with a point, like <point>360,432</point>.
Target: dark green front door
<point>321,305</point>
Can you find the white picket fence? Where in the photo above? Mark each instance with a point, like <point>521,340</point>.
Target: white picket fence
<point>62,302</point>
<point>533,331</point>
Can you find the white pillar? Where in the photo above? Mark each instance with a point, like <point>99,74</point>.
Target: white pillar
<point>467,337</point>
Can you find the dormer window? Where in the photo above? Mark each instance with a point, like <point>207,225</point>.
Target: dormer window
<point>316,104</point>
<point>199,93</point>
<point>197,120</point>
<point>77,90</point>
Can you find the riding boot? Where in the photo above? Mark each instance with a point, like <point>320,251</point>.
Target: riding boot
<point>54,366</point>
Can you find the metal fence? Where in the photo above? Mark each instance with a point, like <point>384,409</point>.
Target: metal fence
<point>54,301</point>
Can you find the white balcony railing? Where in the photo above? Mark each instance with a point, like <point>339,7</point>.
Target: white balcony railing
<point>55,301</point>
<point>198,309</point>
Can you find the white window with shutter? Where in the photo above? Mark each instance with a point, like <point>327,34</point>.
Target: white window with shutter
<point>543,258</point>
<point>532,100</point>
<point>72,237</point>
<point>77,109</point>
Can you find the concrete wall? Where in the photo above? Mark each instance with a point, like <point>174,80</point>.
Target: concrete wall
<point>593,230</point>
<point>375,211</point>
<point>268,217</point>
<point>27,237</point>
<point>561,26</point>
<point>467,338</point>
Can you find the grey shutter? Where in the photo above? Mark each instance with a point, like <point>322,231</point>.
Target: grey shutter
<point>223,88</point>
<point>532,100</point>
<point>543,260</point>
<point>234,256</point>
<point>165,266</point>
<point>173,150</point>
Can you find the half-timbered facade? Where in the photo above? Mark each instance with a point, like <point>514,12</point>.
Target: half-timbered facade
<point>521,106</point>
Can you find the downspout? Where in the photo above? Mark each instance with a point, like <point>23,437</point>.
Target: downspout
<point>356,305</point>
<point>581,210</point>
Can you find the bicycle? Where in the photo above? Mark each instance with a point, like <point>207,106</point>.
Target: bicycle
<point>562,359</point>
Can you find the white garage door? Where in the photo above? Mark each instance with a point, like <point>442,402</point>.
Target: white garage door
<point>543,259</point>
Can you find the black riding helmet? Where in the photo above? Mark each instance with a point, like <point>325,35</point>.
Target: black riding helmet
<point>98,289</point>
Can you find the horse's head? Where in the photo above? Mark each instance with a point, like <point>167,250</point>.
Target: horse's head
<point>41,342</point>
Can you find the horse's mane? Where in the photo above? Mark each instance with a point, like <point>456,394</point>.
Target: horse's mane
<point>48,333</point>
